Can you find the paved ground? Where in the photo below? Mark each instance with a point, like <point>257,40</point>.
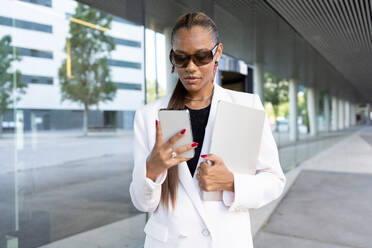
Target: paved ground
<point>89,187</point>
<point>330,203</point>
<point>61,201</point>
<point>54,148</point>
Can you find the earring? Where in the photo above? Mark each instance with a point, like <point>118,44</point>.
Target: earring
<point>215,67</point>
<point>172,69</point>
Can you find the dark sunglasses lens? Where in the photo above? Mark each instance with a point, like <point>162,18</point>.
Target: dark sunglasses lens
<point>203,58</point>
<point>200,58</point>
<point>179,59</point>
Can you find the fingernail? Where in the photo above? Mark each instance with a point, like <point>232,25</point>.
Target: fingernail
<point>203,156</point>
<point>156,121</point>
<point>195,144</point>
<point>183,131</point>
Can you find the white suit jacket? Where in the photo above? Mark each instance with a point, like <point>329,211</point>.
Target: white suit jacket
<point>196,223</point>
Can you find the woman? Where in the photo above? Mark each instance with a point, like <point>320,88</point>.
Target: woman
<point>169,185</point>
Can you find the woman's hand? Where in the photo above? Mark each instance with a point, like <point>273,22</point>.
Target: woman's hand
<point>214,177</point>
<point>160,158</point>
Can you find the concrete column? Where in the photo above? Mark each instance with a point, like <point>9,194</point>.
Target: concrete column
<point>352,116</point>
<point>259,80</point>
<point>171,77</point>
<point>326,113</point>
<point>347,114</point>
<point>341,115</point>
<point>311,107</point>
<point>293,129</point>
<point>334,113</point>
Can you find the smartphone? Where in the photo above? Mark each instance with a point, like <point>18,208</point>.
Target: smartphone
<point>172,122</point>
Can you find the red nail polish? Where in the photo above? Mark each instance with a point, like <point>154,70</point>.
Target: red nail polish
<point>183,131</point>
<point>195,144</point>
<point>157,122</point>
<point>203,156</point>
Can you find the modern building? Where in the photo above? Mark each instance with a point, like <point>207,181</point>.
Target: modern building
<point>39,30</point>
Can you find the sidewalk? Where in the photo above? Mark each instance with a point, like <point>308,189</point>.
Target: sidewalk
<point>95,190</point>
<point>329,203</point>
<point>55,148</point>
<point>92,202</point>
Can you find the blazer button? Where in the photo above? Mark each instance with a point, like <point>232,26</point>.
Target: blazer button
<point>205,232</point>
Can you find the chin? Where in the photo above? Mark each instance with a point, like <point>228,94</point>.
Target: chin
<point>192,87</point>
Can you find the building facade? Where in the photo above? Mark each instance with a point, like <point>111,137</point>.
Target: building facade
<point>39,29</point>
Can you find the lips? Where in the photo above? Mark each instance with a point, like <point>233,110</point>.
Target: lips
<point>191,78</point>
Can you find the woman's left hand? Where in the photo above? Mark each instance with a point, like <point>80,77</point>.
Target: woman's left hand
<point>215,177</point>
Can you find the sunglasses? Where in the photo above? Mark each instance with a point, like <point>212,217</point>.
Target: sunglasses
<point>200,58</point>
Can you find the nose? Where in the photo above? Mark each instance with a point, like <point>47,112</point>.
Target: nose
<point>191,66</point>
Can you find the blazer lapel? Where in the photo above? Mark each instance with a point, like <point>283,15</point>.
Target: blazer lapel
<point>189,183</point>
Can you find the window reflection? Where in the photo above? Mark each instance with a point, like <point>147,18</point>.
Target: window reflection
<point>63,172</point>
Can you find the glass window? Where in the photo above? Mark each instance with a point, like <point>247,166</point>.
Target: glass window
<point>65,168</point>
<point>125,42</point>
<point>36,79</point>
<point>6,21</point>
<point>47,3</point>
<point>34,53</point>
<point>128,86</point>
<point>121,63</point>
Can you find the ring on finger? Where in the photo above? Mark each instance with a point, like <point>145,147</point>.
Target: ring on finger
<point>174,154</point>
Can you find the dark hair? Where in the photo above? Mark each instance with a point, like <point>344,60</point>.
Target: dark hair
<point>177,100</point>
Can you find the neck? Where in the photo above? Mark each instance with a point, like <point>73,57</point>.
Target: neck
<point>200,104</point>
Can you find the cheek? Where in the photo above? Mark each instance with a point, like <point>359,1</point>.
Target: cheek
<point>180,71</point>
<point>207,71</point>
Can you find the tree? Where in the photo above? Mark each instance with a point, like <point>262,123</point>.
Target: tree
<point>9,82</point>
<point>151,91</point>
<point>86,79</point>
<point>275,92</point>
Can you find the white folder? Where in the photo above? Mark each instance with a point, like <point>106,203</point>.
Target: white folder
<point>236,138</point>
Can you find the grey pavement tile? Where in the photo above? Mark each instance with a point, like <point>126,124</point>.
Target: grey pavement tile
<point>367,138</point>
<point>269,240</point>
<point>331,206</point>
<point>125,233</point>
<point>72,198</point>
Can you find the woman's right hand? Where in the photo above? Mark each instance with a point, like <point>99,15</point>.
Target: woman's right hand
<point>160,158</point>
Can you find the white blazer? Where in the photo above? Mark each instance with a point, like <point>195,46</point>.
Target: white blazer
<point>195,223</point>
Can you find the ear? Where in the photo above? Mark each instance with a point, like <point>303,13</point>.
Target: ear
<point>219,51</point>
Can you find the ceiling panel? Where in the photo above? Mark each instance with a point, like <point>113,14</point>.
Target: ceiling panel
<point>340,30</point>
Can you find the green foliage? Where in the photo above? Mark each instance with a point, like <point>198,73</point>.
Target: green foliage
<point>151,91</point>
<point>91,82</point>
<point>8,81</point>
<point>302,108</point>
<point>275,92</point>
<point>283,109</point>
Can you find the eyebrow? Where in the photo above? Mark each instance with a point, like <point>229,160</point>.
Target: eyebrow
<point>203,49</point>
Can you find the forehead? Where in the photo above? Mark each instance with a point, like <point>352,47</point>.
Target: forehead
<point>192,40</point>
